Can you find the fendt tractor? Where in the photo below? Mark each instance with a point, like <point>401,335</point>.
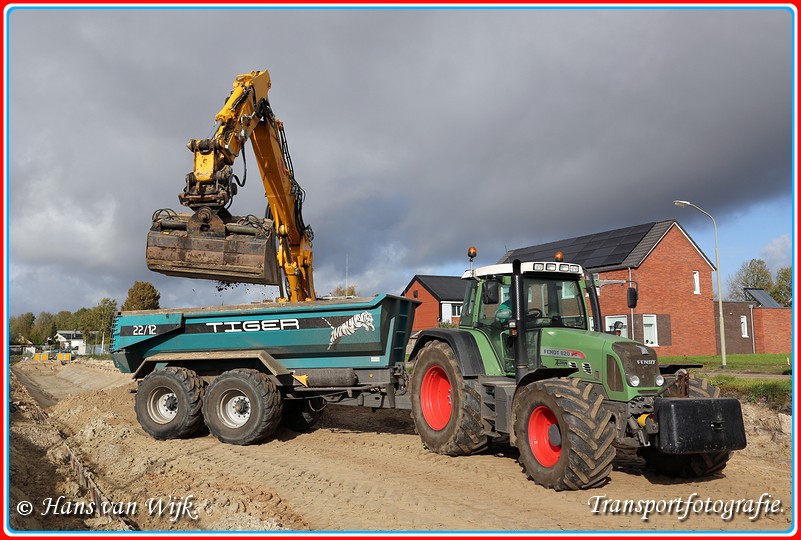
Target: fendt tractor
<point>528,364</point>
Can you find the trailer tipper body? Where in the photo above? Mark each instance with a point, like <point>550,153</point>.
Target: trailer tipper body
<point>357,334</point>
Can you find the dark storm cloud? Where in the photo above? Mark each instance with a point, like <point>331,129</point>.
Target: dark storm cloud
<point>415,133</point>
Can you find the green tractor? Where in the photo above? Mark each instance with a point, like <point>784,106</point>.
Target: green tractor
<point>529,361</point>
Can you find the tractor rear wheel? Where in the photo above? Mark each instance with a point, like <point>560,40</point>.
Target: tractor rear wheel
<point>687,465</point>
<point>242,406</point>
<point>168,403</point>
<point>564,435</point>
<point>446,407</point>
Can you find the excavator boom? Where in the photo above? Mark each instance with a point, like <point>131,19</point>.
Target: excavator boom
<point>213,244</point>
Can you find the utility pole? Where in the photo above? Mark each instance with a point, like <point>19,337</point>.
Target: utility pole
<point>682,204</point>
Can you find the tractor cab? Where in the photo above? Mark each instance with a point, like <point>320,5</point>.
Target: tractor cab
<point>554,298</point>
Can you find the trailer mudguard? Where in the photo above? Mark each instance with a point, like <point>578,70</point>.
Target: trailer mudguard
<point>200,358</point>
<point>699,425</point>
<point>463,344</point>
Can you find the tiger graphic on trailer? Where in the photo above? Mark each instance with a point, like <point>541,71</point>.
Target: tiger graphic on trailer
<point>350,327</point>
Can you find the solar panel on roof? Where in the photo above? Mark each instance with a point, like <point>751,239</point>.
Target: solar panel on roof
<point>602,249</point>
<point>761,296</point>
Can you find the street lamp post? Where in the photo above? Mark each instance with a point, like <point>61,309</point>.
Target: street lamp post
<point>683,204</point>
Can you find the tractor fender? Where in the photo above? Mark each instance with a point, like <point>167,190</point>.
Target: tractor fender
<point>463,344</point>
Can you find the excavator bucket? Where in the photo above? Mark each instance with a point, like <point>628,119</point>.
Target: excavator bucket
<point>213,245</point>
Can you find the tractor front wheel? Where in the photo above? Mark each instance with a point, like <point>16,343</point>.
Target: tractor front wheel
<point>446,407</point>
<point>564,435</point>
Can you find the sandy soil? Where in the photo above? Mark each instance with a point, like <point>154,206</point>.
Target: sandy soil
<point>358,470</point>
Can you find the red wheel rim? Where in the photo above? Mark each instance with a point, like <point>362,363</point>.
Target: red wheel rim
<point>435,398</point>
<point>540,421</point>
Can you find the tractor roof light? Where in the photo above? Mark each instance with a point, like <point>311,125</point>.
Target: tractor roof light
<point>503,269</point>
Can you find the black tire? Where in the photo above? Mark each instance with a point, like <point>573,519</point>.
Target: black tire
<point>242,406</point>
<point>301,414</point>
<point>446,407</point>
<point>687,465</point>
<point>168,403</point>
<point>699,388</point>
<point>564,434</point>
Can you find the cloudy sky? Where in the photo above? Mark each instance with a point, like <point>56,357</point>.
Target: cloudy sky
<point>415,133</point>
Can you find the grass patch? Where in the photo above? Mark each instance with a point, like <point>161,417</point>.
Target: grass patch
<point>776,394</point>
<point>753,363</point>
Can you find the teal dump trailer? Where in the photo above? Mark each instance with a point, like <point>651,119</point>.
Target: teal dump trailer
<point>246,369</point>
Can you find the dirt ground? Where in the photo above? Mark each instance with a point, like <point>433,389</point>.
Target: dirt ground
<point>358,470</point>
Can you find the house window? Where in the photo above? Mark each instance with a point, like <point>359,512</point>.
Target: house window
<point>744,325</point>
<point>612,319</point>
<point>451,310</point>
<point>649,330</point>
<point>696,282</point>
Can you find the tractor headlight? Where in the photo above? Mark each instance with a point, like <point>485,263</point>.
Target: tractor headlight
<point>659,380</point>
<point>634,380</point>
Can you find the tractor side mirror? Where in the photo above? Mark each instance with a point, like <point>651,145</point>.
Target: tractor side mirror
<point>491,292</point>
<point>631,297</point>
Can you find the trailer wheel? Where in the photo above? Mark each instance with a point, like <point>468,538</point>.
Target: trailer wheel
<point>301,414</point>
<point>687,465</point>
<point>242,406</point>
<point>446,407</point>
<point>168,403</point>
<point>564,435</point>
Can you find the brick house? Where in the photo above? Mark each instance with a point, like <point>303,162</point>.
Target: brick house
<point>442,298</point>
<point>674,278</point>
<point>758,326</point>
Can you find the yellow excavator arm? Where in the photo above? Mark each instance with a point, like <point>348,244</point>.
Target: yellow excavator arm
<point>211,243</point>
